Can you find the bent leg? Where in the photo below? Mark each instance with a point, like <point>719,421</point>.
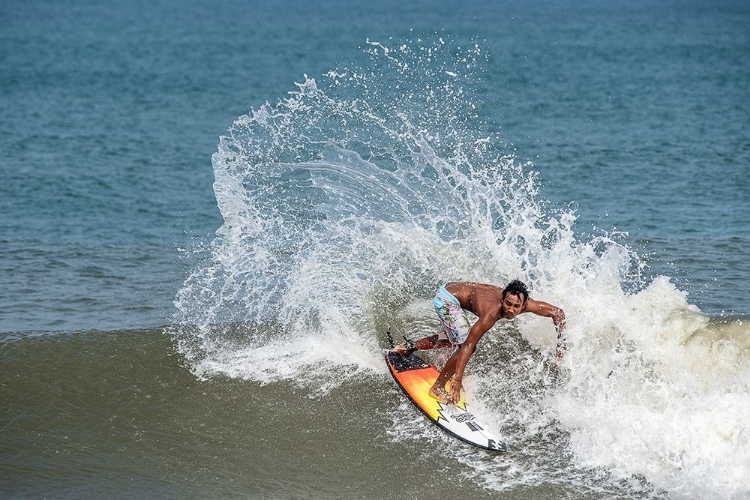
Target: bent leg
<point>432,342</point>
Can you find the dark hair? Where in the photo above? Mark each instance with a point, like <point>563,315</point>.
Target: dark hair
<point>516,287</point>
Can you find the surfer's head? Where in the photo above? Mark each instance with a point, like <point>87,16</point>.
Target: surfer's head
<point>515,295</point>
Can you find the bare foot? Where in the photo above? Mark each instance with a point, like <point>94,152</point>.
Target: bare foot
<point>401,349</point>
<point>441,395</point>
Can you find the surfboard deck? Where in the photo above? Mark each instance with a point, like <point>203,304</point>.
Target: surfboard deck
<point>415,377</point>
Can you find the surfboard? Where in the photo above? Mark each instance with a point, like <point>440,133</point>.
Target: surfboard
<point>415,377</point>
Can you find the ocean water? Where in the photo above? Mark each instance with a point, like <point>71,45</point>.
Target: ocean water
<point>211,212</point>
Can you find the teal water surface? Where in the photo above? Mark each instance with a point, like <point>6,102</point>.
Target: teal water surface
<point>142,358</point>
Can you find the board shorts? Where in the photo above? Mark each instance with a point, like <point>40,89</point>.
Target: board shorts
<point>453,321</point>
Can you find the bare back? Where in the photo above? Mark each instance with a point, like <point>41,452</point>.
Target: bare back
<point>489,305</point>
<point>487,302</point>
<point>478,298</point>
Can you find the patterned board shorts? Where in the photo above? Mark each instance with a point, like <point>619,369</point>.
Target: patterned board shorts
<point>453,321</point>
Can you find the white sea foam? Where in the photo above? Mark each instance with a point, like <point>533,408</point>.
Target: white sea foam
<point>343,210</point>
<point>656,391</point>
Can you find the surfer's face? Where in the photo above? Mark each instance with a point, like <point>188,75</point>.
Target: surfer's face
<point>512,305</point>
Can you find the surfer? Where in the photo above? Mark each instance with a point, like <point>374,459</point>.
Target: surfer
<point>490,304</point>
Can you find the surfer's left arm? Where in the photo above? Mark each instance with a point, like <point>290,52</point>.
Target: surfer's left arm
<point>558,318</point>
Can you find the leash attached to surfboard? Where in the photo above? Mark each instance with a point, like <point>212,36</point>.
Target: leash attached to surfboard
<point>410,347</point>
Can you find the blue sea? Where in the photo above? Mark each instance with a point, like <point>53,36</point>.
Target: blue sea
<point>211,212</point>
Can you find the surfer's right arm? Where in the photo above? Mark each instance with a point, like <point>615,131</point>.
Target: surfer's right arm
<point>455,371</point>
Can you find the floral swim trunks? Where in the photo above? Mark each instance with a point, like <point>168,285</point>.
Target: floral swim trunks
<point>453,321</point>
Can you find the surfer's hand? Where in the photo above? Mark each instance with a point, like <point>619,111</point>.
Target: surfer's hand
<point>455,392</point>
<point>561,346</point>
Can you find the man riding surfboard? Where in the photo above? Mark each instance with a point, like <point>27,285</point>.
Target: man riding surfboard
<point>490,304</point>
